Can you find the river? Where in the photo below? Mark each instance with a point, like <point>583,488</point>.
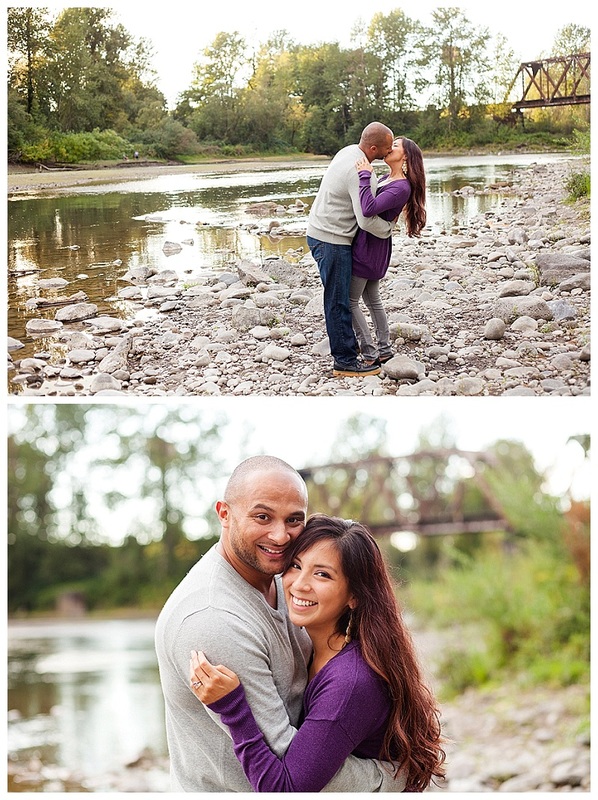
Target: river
<point>91,235</point>
<point>83,697</point>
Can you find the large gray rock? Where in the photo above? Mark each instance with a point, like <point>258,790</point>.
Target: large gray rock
<point>117,358</point>
<point>103,382</point>
<point>517,288</point>
<point>105,324</point>
<point>14,344</point>
<point>282,272</point>
<point>250,274</point>
<point>52,283</point>
<point>42,326</point>
<point>556,267</point>
<point>76,313</point>
<point>403,368</point>
<point>509,308</point>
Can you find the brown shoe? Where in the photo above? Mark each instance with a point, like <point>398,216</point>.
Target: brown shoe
<point>355,370</point>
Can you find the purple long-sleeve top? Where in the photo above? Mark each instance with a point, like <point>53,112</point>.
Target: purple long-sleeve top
<point>345,711</point>
<point>371,255</point>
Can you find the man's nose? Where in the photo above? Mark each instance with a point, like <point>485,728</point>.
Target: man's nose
<point>279,532</point>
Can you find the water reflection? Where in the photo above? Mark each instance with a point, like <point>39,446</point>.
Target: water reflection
<point>85,695</point>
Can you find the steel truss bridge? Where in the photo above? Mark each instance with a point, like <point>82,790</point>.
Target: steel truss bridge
<point>561,81</point>
<point>430,493</point>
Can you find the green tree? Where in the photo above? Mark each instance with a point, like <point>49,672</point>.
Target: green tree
<point>268,100</point>
<point>212,104</point>
<point>74,466</point>
<point>455,53</point>
<point>504,68</point>
<point>391,38</point>
<point>87,70</point>
<point>570,40</point>
<point>27,32</point>
<point>336,87</point>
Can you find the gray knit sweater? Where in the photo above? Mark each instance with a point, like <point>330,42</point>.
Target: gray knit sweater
<point>215,610</point>
<point>336,211</point>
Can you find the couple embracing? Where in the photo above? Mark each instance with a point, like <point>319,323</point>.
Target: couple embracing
<point>349,234</point>
<point>284,660</point>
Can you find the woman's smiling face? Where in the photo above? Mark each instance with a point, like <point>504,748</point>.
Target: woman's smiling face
<point>316,589</point>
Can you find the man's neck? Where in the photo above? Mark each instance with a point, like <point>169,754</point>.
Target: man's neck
<point>265,584</point>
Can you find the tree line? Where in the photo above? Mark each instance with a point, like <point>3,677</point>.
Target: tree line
<point>81,88</point>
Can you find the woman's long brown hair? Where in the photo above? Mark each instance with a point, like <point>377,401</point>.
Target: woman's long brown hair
<point>413,734</point>
<point>415,207</point>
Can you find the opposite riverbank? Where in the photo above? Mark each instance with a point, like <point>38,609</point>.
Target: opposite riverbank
<point>25,180</point>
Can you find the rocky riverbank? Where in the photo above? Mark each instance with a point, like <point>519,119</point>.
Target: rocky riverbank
<point>501,307</point>
<point>501,740</point>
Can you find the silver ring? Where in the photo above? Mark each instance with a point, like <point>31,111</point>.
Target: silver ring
<point>195,684</point>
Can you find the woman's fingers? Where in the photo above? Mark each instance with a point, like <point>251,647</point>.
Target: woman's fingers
<point>228,672</point>
<point>208,682</point>
<point>202,666</point>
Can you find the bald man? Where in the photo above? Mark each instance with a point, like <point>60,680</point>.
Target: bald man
<point>231,606</point>
<point>333,221</point>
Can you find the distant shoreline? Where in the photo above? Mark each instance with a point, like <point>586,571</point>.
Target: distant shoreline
<point>36,619</point>
<point>23,181</point>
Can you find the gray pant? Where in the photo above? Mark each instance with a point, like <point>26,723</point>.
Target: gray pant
<point>370,291</point>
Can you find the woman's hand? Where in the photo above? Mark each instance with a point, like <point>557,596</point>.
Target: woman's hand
<point>363,163</point>
<point>210,683</point>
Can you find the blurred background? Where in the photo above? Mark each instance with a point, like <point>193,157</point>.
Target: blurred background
<point>481,507</point>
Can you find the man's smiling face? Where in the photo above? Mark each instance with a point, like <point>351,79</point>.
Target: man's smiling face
<point>261,522</point>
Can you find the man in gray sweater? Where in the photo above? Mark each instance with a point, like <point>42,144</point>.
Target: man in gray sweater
<point>231,606</point>
<point>333,221</point>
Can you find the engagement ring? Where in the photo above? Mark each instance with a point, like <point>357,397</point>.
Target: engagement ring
<point>195,684</point>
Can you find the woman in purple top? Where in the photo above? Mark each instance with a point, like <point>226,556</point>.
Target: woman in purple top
<point>365,694</point>
<point>403,188</point>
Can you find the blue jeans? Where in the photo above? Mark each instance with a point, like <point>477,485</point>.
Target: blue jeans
<point>335,263</point>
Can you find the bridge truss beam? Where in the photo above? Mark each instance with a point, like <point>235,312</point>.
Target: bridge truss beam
<point>553,82</point>
<point>430,493</point>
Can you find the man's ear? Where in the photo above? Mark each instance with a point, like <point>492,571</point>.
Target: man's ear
<point>223,511</point>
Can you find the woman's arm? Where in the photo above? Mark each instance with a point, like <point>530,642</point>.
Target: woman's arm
<point>392,198</point>
<point>317,752</point>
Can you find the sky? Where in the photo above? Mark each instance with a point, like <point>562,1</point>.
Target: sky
<point>179,30</point>
<point>302,430</point>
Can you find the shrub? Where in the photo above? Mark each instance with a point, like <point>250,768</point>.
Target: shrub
<point>578,185</point>
<point>73,148</point>
<point>530,611</point>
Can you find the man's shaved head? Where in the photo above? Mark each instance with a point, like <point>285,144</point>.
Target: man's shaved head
<point>250,467</point>
<point>375,135</point>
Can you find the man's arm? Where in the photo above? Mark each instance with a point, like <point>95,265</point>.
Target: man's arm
<point>365,775</point>
<point>236,643</point>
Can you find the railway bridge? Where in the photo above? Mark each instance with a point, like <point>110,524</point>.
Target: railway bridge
<point>430,493</point>
<point>551,82</point>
